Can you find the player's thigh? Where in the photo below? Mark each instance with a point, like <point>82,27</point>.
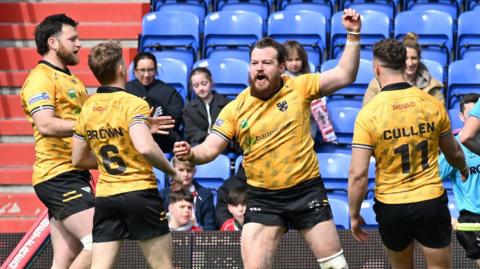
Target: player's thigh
<point>322,239</point>
<point>104,254</point>
<point>259,244</point>
<point>158,251</point>
<point>65,246</point>
<point>402,259</point>
<point>440,258</point>
<point>80,224</point>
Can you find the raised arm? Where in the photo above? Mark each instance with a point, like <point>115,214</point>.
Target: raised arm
<point>346,70</point>
<point>206,152</point>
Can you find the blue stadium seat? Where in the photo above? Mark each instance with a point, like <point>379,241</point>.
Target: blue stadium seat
<point>468,41</point>
<point>306,27</point>
<point>230,34</point>
<point>454,119</point>
<point>343,121</point>
<point>385,6</point>
<point>472,5</point>
<point>230,75</point>
<point>366,210</point>
<point>435,69</point>
<point>434,29</point>
<point>325,7</point>
<point>238,162</point>
<point>172,34</point>
<point>375,26</point>
<point>211,175</point>
<point>334,170</point>
<point>339,205</point>
<point>261,7</point>
<point>463,78</point>
<point>452,205</point>
<point>198,7</point>
<point>355,91</point>
<point>451,7</point>
<point>174,73</point>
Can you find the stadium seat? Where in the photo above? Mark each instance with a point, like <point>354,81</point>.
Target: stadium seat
<point>343,121</point>
<point>387,7</point>
<point>471,5</point>
<point>238,162</point>
<point>435,69</point>
<point>454,119</point>
<point>434,29</point>
<point>339,205</point>
<point>230,75</point>
<point>375,27</point>
<point>325,7</point>
<point>334,171</point>
<point>468,41</point>
<point>198,7</point>
<point>211,175</point>
<point>230,34</point>
<point>306,27</point>
<point>174,73</point>
<point>451,7</point>
<point>172,34</point>
<point>354,92</point>
<point>452,205</point>
<point>463,78</point>
<point>366,210</point>
<point>261,7</point>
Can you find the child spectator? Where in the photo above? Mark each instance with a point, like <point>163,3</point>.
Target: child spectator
<point>202,197</point>
<point>180,217</point>
<point>237,201</point>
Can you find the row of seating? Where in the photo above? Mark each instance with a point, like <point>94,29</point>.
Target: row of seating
<point>327,7</point>
<point>230,34</point>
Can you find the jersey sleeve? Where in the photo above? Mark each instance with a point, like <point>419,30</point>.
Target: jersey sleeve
<point>224,125</point>
<point>38,93</point>
<point>476,110</point>
<point>362,137</point>
<point>309,85</point>
<point>138,112</point>
<point>79,128</point>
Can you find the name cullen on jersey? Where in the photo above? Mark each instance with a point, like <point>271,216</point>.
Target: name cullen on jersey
<point>419,129</point>
<point>104,133</point>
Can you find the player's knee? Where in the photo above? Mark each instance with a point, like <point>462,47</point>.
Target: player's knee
<point>336,261</point>
<point>87,242</point>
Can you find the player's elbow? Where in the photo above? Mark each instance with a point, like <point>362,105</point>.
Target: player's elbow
<point>44,129</point>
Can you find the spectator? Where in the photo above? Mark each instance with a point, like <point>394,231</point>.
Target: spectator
<point>237,204</point>
<point>200,114</point>
<point>238,180</point>
<point>202,197</point>
<point>297,64</point>
<point>181,216</point>
<point>164,100</point>
<point>416,73</point>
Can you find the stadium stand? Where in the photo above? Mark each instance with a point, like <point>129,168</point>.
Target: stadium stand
<point>463,78</point>
<point>468,40</point>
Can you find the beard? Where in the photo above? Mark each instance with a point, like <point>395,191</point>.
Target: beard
<point>264,94</point>
<point>68,58</point>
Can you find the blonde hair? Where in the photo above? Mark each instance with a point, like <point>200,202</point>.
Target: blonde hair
<point>410,40</point>
<point>104,59</point>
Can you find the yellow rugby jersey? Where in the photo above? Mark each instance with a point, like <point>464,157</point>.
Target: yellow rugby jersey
<point>50,87</point>
<point>104,124</point>
<point>274,134</point>
<point>402,125</point>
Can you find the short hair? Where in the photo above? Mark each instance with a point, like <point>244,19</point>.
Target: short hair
<point>468,98</point>
<point>51,25</point>
<point>200,70</point>
<point>410,40</point>
<point>144,55</point>
<point>391,53</point>
<point>292,45</point>
<point>176,161</point>
<point>237,196</point>
<point>267,42</point>
<point>180,195</point>
<point>104,59</point>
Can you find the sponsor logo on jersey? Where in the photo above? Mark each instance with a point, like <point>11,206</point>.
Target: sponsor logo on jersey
<point>244,124</point>
<point>39,97</point>
<point>72,94</point>
<point>219,122</point>
<point>282,106</point>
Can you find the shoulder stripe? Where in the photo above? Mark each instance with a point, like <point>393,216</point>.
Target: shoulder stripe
<point>79,136</point>
<point>362,146</point>
<point>38,108</point>
<point>224,137</point>
<point>446,133</point>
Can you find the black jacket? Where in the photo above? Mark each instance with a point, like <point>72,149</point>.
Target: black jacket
<point>196,119</point>
<point>165,101</point>
<point>221,209</point>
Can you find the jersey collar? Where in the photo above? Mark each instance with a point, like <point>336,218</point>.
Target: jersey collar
<point>66,71</point>
<point>109,89</point>
<point>396,86</point>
